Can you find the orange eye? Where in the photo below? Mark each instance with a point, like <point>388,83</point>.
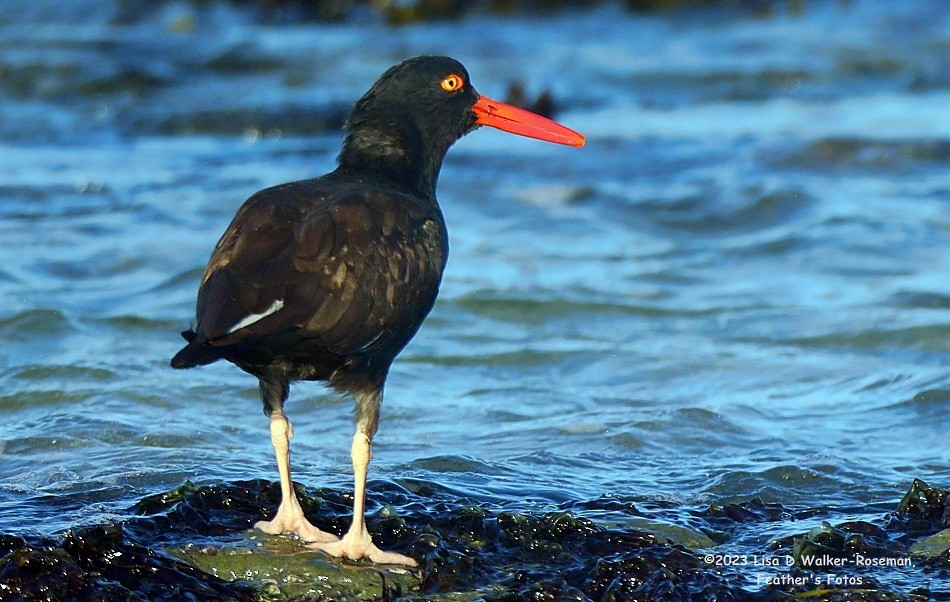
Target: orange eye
<point>452,83</point>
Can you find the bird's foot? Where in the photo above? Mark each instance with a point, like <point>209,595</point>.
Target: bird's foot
<point>290,519</point>
<point>356,545</point>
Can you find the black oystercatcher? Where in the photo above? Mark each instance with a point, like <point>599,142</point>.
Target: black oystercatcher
<point>328,279</point>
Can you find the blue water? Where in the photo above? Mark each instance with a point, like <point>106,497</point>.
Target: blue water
<point>738,288</point>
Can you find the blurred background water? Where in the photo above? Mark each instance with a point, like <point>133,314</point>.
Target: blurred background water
<point>739,287</point>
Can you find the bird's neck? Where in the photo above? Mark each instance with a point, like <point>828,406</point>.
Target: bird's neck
<point>394,152</point>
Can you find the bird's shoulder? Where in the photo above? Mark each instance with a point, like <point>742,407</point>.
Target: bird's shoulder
<point>330,258</point>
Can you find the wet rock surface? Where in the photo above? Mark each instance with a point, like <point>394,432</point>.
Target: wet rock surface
<point>197,542</point>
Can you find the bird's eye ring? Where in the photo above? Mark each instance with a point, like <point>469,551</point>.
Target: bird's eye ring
<point>452,83</point>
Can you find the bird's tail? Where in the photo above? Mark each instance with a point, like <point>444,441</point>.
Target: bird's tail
<point>196,353</point>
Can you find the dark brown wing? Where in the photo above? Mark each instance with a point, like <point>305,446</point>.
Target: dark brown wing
<point>349,270</point>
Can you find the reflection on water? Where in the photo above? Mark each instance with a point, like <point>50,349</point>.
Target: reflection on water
<point>737,289</point>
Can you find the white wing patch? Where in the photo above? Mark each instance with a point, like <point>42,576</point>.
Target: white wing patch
<point>275,307</point>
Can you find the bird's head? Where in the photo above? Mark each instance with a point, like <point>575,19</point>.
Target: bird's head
<point>417,109</point>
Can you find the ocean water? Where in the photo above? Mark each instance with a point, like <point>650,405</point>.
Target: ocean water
<point>738,288</point>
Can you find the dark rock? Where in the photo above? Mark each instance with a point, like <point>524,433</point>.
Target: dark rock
<point>462,546</point>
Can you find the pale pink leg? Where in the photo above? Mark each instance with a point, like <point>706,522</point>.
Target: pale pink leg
<point>289,518</point>
<point>357,543</point>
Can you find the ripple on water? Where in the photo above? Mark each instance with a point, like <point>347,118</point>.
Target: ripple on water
<point>920,300</point>
<point>462,464</point>
<point>71,373</point>
<point>929,405</point>
<point>269,121</point>
<point>722,212</point>
<point>930,339</point>
<point>519,357</point>
<point>863,155</point>
<point>44,202</point>
<point>701,419</point>
<point>186,279</point>
<point>34,323</point>
<point>775,484</point>
<point>98,265</point>
<point>539,306</point>
<point>673,88</point>
<point>75,426</point>
<point>38,398</point>
<point>135,323</point>
<point>44,444</point>
<point>627,440</point>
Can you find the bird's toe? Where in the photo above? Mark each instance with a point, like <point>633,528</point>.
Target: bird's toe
<point>271,527</point>
<point>311,534</point>
<point>299,525</point>
<point>383,557</point>
<point>357,548</point>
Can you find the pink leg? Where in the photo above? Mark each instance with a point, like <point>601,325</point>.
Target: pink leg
<point>357,543</point>
<point>289,518</point>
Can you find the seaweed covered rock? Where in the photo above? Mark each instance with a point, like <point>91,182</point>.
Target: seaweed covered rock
<point>848,542</point>
<point>754,510</point>
<point>98,563</point>
<point>852,560</point>
<point>923,509</point>
<point>197,542</point>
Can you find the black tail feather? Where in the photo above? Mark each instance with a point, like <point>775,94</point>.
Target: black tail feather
<point>195,353</point>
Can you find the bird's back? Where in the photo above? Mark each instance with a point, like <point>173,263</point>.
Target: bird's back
<point>324,279</point>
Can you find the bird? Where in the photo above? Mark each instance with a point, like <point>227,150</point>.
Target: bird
<point>328,279</point>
